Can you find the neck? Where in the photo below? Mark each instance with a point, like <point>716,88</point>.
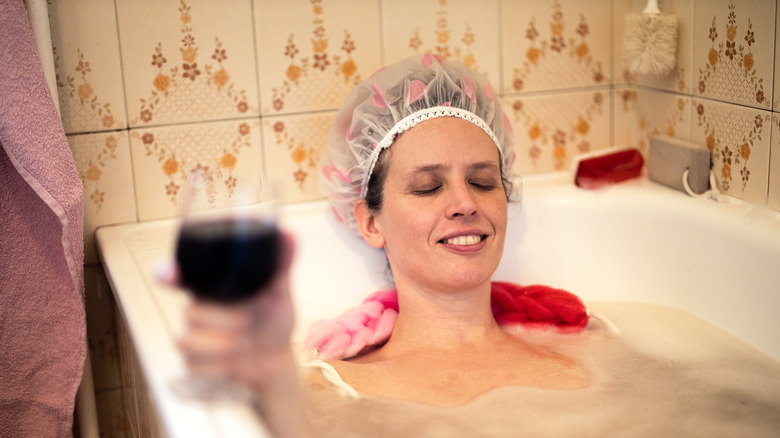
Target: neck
<point>444,320</point>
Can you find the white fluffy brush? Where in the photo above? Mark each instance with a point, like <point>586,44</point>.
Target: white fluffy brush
<point>651,41</point>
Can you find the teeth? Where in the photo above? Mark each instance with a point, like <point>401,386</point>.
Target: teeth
<point>464,240</point>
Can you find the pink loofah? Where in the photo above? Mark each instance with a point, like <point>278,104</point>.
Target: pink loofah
<point>369,325</point>
<point>365,326</point>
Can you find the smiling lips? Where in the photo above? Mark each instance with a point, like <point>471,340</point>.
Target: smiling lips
<point>463,241</point>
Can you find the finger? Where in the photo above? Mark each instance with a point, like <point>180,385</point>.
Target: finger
<point>208,343</point>
<point>208,364</point>
<point>205,315</point>
<point>205,354</point>
<point>167,272</point>
<point>287,251</point>
<point>280,283</point>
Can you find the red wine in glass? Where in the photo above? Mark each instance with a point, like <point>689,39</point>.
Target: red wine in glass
<point>227,259</point>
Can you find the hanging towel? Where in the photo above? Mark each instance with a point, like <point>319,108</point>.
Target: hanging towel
<point>42,318</point>
<point>368,326</point>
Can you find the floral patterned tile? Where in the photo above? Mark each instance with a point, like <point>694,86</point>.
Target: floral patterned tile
<point>733,56</point>
<point>556,44</point>
<point>105,169</point>
<point>679,80</point>
<point>293,146</point>
<point>228,151</point>
<point>651,113</point>
<point>623,114</point>
<point>453,29</point>
<point>88,67</point>
<point>739,138</point>
<point>187,60</point>
<point>550,129</point>
<point>774,165</point>
<point>312,52</point>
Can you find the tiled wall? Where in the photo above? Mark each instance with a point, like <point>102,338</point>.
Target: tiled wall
<point>150,89</point>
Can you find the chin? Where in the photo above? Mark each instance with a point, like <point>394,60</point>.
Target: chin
<point>466,280</point>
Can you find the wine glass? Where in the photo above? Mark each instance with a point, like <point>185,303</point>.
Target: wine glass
<point>225,254</point>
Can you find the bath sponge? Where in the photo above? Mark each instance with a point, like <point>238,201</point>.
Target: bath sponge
<point>668,159</point>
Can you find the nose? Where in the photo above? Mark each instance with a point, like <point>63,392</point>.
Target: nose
<point>461,202</point>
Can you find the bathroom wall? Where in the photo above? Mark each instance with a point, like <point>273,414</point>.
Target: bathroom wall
<point>150,89</point>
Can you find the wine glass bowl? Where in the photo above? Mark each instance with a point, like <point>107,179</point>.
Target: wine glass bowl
<point>226,260</point>
<point>231,253</point>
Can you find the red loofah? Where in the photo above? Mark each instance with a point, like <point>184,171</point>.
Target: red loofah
<point>538,307</point>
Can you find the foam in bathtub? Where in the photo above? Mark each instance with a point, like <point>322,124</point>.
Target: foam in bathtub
<point>668,159</point>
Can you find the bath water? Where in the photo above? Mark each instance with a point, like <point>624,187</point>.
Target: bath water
<point>667,373</point>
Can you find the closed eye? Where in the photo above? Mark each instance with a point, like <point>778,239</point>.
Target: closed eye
<point>426,191</point>
<point>484,185</point>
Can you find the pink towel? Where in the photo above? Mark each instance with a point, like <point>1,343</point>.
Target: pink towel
<point>369,325</point>
<point>42,319</point>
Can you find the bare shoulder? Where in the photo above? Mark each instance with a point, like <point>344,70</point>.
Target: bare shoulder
<point>452,377</point>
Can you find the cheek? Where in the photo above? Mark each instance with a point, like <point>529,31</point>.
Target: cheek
<point>405,231</point>
<point>405,224</point>
<point>499,217</point>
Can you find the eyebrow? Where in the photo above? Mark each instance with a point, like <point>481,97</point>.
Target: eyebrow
<point>438,168</point>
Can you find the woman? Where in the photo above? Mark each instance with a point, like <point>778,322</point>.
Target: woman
<point>418,164</point>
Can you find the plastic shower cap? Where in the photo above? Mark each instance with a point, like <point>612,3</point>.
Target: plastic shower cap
<point>393,100</point>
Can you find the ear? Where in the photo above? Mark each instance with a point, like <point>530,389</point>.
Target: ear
<point>367,223</point>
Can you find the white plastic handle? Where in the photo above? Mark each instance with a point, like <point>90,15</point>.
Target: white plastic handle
<point>713,193</point>
<point>652,8</point>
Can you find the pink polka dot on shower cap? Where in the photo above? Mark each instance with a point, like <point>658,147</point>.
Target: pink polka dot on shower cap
<point>378,99</point>
<point>416,89</point>
<point>427,59</point>
<point>488,90</point>
<point>468,88</point>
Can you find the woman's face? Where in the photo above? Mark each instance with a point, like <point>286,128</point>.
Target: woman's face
<point>443,218</point>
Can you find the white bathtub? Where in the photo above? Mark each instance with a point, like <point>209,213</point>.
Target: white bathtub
<point>636,241</point>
